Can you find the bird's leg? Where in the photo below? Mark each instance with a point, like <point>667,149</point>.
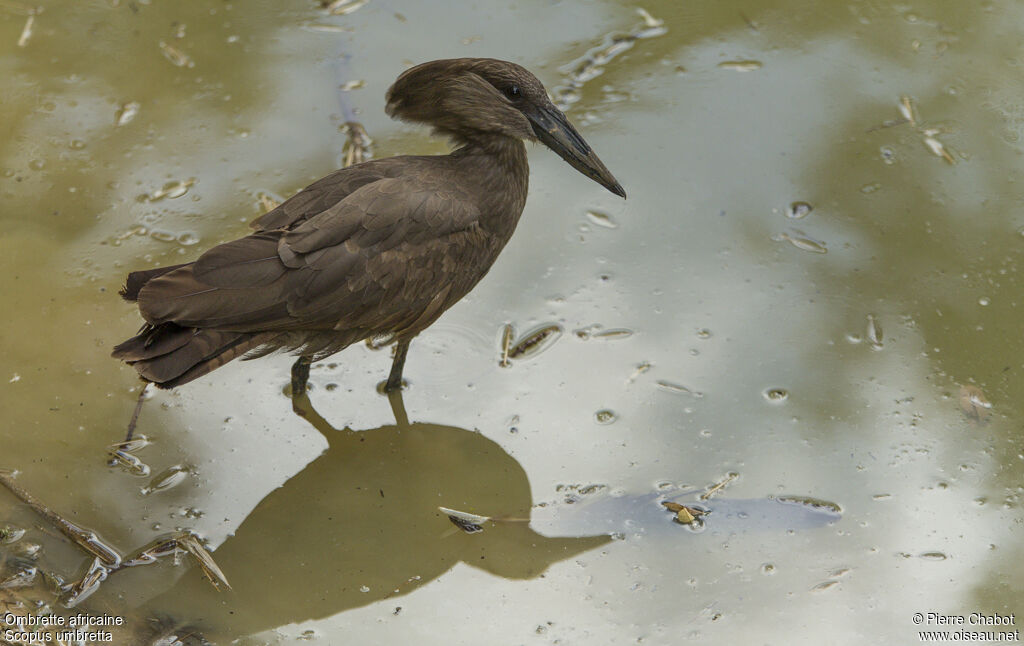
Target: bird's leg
<point>395,379</point>
<point>398,408</point>
<point>300,375</point>
<point>300,381</point>
<point>135,414</point>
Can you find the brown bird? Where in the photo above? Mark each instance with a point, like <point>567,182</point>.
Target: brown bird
<point>379,249</point>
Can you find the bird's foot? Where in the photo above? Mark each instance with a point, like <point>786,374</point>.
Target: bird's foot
<point>388,386</point>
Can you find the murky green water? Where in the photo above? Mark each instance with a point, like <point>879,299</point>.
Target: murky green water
<point>868,353</point>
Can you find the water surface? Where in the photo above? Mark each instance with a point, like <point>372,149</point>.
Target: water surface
<point>866,353</point>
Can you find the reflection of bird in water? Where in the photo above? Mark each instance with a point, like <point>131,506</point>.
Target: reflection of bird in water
<point>361,523</point>
<point>379,249</point>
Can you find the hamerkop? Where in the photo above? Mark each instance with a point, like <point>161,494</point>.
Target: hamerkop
<point>378,249</point>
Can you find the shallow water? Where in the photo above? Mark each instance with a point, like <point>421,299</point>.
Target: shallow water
<point>867,353</point>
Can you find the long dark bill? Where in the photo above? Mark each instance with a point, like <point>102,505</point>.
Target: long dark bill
<point>554,130</point>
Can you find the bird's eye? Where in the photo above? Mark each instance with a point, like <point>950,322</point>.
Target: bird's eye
<point>513,92</point>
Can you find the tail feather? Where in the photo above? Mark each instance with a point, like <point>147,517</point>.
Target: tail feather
<point>170,355</point>
<point>153,341</point>
<point>138,279</point>
<point>235,349</point>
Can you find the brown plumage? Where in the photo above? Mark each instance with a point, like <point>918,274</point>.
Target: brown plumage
<point>381,248</point>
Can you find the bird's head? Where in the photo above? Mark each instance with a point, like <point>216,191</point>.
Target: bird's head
<point>474,99</point>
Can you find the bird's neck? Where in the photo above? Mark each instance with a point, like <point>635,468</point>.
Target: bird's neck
<point>498,164</point>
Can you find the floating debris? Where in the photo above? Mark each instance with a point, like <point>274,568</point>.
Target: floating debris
<point>86,539</point>
<point>535,341</point>
<point>506,345</point>
<point>937,147</point>
<point>719,486</point>
<point>908,114</point>
<point>974,404</point>
<point>741,66</point>
<point>591,65</point>
<point>802,242</point>
<point>469,523</point>
<point>28,551</point>
<point>166,479</point>
<point>352,85</point>
<point>10,534</point>
<point>907,110</point>
<point>832,580</point>
<point>684,514</point>
<point>750,23</point>
<point>676,388</point>
<point>177,57</point>
<point>344,7</point>
<point>584,333</point>
<point>130,463</point>
<point>798,210</point>
<point>80,590</point>
<point>194,547</point>
<point>595,331</point>
<point>336,29</point>
<point>26,31</point>
<point>357,148</point>
<point>106,559</point>
<point>126,113</point>
<point>814,503</point>
<point>19,573</point>
<point>641,368</point>
<point>874,332</point>
<point>605,416</point>
<point>602,219</point>
<point>613,333</point>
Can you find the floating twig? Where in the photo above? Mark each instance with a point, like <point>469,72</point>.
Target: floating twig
<point>718,487</point>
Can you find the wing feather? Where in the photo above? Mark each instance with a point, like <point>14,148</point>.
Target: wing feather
<point>380,256</point>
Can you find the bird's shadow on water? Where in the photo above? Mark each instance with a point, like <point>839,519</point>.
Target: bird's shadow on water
<point>361,523</point>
